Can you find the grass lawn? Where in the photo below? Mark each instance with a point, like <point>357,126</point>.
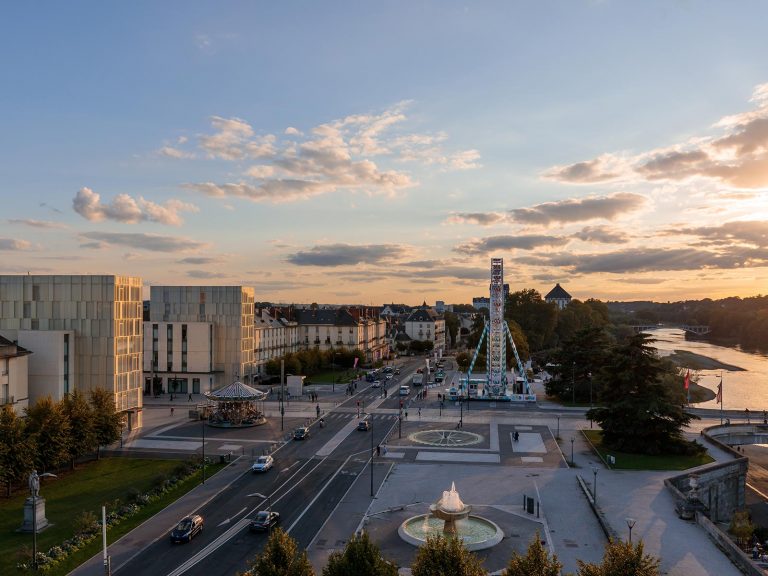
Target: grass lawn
<point>626,461</point>
<point>89,487</point>
<point>340,376</point>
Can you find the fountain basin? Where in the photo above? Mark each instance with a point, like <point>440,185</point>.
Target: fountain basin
<point>475,532</point>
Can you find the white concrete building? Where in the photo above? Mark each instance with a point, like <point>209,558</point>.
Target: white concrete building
<point>52,366</point>
<point>229,309</point>
<point>179,356</point>
<point>273,338</point>
<point>329,328</point>
<point>14,385</point>
<point>103,313</point>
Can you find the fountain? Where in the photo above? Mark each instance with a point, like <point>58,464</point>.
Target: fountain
<point>449,516</point>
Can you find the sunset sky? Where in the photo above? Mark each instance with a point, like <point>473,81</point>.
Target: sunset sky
<point>375,152</point>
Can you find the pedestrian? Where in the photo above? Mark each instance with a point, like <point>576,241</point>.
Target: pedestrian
<point>171,410</point>
<point>190,398</point>
<point>378,450</point>
<point>746,411</point>
<point>406,414</point>
<point>317,410</point>
<point>419,413</point>
<point>517,436</point>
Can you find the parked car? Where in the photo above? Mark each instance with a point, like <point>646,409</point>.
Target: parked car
<point>187,528</point>
<point>262,464</point>
<point>265,519</point>
<point>301,433</point>
<point>376,384</point>
<point>364,425</point>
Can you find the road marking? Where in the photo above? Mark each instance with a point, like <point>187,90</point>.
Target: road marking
<point>228,520</point>
<point>211,548</point>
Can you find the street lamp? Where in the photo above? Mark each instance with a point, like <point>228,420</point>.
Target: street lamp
<point>373,453</point>
<point>589,375</point>
<point>572,441</point>
<point>594,484</point>
<point>558,426</point>
<point>630,525</point>
<point>441,408</point>
<point>573,383</point>
<point>461,416</point>
<point>400,424</point>
<point>203,422</point>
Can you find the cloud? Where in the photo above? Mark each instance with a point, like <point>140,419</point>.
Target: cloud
<point>602,235</point>
<point>198,260</point>
<point>579,209</point>
<point>339,155</point>
<point>205,274</point>
<point>172,152</point>
<point>125,209</point>
<point>45,224</point>
<point>346,254</point>
<point>15,245</point>
<point>745,232</point>
<point>600,169</point>
<point>150,242</point>
<point>737,157</point>
<point>479,218</point>
<point>509,242</point>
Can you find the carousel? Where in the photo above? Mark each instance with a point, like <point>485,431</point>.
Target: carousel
<point>236,406</point>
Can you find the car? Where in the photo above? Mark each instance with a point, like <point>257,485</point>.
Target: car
<point>262,464</point>
<point>389,376</point>
<point>376,384</point>
<point>364,425</point>
<point>397,371</point>
<point>301,433</point>
<point>265,519</point>
<point>405,390</point>
<point>187,528</point>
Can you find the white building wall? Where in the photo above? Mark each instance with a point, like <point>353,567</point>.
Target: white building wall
<point>14,382</point>
<point>197,365</point>
<point>51,365</point>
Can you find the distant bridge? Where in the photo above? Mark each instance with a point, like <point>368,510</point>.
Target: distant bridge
<point>698,330</point>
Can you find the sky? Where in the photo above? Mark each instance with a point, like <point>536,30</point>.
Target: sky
<point>367,152</point>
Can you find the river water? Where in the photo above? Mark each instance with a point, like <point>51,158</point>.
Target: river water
<point>747,388</point>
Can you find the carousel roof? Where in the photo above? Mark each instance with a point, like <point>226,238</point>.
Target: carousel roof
<point>236,391</point>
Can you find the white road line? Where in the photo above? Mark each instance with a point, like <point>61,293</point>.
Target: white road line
<point>228,520</point>
<point>211,548</point>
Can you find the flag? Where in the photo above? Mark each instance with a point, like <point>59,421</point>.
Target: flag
<point>687,379</point>
<point>719,397</point>
<point>356,359</point>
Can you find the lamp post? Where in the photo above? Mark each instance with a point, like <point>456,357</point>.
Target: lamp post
<point>461,413</point>
<point>400,424</point>
<point>441,408</point>
<point>558,426</point>
<point>630,525</point>
<point>589,375</point>
<point>282,394</point>
<point>373,453</point>
<point>594,484</point>
<point>573,383</point>
<point>572,441</point>
<point>203,422</point>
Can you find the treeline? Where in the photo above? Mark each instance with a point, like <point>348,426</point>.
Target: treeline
<point>742,321</point>
<point>313,361</point>
<point>442,556</point>
<point>55,434</point>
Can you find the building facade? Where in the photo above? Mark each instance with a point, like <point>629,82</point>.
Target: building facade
<point>329,328</point>
<point>178,357</point>
<point>14,381</point>
<point>424,324</point>
<point>558,296</point>
<point>103,313</point>
<point>273,337</point>
<point>230,309</point>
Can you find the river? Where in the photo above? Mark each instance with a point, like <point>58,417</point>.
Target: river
<point>746,388</point>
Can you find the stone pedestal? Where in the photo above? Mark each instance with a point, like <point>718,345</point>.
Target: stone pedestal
<point>34,515</point>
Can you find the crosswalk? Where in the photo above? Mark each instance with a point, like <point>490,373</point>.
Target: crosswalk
<point>354,416</point>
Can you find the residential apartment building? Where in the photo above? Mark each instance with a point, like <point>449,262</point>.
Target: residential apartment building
<point>328,328</point>
<point>424,324</point>
<point>14,380</point>
<point>95,323</point>
<point>230,309</point>
<point>274,336</point>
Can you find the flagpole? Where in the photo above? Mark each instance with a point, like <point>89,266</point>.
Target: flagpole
<point>721,398</point>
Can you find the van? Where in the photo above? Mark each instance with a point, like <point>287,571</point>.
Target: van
<point>405,390</point>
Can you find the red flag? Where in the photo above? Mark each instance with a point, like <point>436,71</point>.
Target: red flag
<point>719,397</point>
<point>356,359</point>
<point>687,379</point>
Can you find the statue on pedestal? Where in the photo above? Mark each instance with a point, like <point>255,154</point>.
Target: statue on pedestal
<point>34,483</point>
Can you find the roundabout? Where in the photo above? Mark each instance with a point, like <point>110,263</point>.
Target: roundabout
<point>445,438</point>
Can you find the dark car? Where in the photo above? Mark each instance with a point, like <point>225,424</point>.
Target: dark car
<point>301,433</point>
<point>264,520</point>
<point>364,425</point>
<point>187,529</point>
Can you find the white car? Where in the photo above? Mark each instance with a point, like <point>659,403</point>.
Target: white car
<point>389,376</point>
<point>262,464</point>
<point>376,384</point>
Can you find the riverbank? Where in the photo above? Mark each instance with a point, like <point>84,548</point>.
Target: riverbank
<point>695,361</point>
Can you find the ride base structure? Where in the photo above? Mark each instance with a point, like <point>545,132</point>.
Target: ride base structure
<point>497,385</point>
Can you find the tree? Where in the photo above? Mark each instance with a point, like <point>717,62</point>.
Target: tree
<point>107,423</point>
<point>622,559</point>
<point>17,448</point>
<point>452,325</point>
<point>361,557</point>
<point>638,413</point>
<point>441,556</point>
<point>576,362</point>
<point>535,316</point>
<point>281,557</point>
<point>536,562</point>
<point>49,426</point>
<point>81,423</point>
<point>741,527</point>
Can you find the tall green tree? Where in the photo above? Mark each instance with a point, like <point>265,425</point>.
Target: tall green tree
<point>535,562</point>
<point>281,557</point>
<point>81,425</point>
<point>441,556</point>
<point>107,422</point>
<point>622,559</point>
<point>638,412</point>
<point>577,361</point>
<point>452,325</point>
<point>535,316</point>
<point>48,424</point>
<point>17,448</point>
<point>361,557</point>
